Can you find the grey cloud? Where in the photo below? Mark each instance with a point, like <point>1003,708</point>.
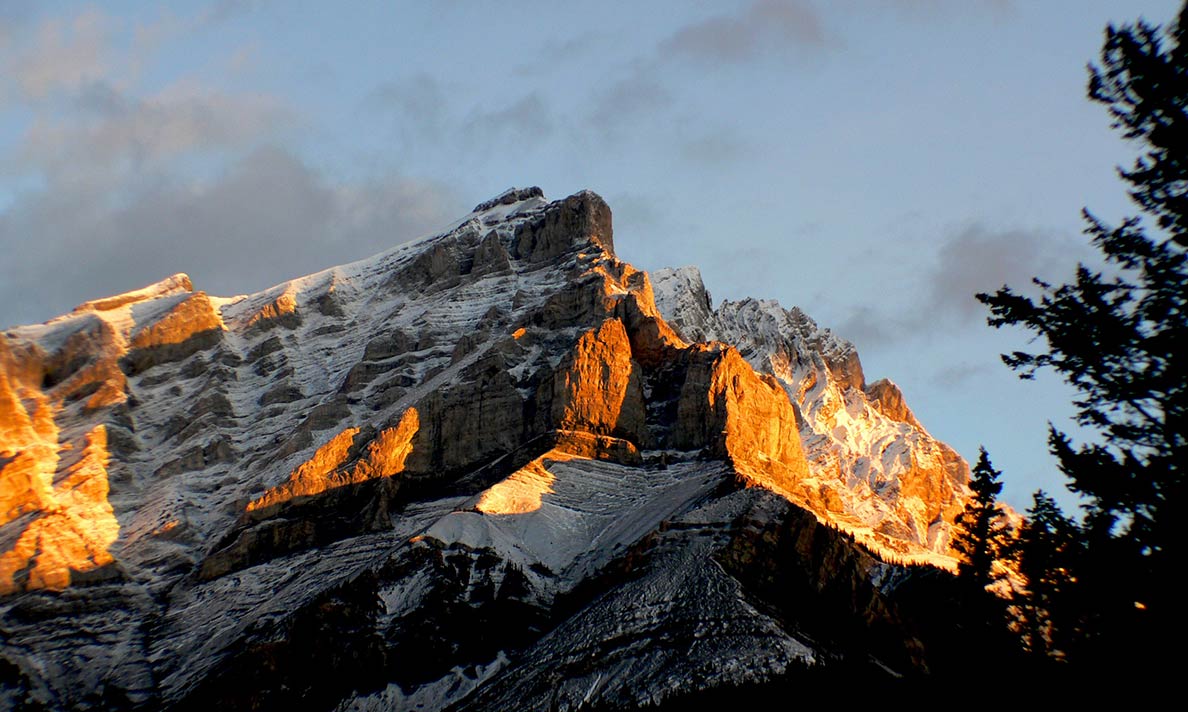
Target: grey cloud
<point>425,115</point>
<point>981,260</point>
<point>866,325</point>
<point>975,259</point>
<point>111,128</point>
<point>763,25</point>
<point>556,53</point>
<point>715,150</point>
<point>268,218</point>
<point>60,54</point>
<point>419,103</point>
<point>224,10</point>
<point>636,94</point>
<point>962,374</point>
<point>528,119</point>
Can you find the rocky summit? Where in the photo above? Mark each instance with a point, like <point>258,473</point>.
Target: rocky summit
<point>494,468</point>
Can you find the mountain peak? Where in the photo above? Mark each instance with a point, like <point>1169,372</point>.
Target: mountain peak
<point>509,197</point>
<point>494,423</point>
<point>174,284</point>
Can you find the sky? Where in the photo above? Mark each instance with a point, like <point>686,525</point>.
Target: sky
<point>874,162</point>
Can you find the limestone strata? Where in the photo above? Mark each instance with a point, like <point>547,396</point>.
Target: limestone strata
<point>191,325</point>
<point>189,317</point>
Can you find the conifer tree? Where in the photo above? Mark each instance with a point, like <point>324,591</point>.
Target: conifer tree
<point>981,534</point>
<point>1048,551</point>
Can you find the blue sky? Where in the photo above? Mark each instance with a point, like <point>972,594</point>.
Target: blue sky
<point>873,162</point>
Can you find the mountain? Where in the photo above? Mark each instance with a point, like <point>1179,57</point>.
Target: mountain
<point>492,468</point>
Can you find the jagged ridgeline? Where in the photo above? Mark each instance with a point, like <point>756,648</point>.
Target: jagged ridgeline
<point>494,468</point>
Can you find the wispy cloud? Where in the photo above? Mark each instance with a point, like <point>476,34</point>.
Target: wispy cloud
<point>111,129</point>
<point>970,260</point>
<point>528,118</point>
<point>763,26</point>
<point>63,54</point>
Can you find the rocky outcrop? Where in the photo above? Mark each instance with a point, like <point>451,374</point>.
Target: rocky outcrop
<point>545,237</point>
<point>726,406</point>
<point>885,397</point>
<point>598,388</point>
<point>281,311</point>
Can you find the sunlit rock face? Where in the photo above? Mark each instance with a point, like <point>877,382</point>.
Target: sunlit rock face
<point>872,467</point>
<point>415,479</point>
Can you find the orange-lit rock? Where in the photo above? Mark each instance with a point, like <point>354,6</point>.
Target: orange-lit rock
<point>885,397</point>
<point>596,447</point>
<point>736,412</point>
<point>28,441</point>
<point>87,366</point>
<point>70,535</point>
<point>597,388</point>
<point>189,326</point>
<point>189,317</point>
<point>652,339</point>
<point>281,311</point>
<point>330,467</point>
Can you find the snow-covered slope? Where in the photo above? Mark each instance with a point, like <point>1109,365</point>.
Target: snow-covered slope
<point>475,469</point>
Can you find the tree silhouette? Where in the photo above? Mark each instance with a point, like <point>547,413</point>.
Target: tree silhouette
<point>981,534</point>
<point>1048,552</point>
<point>1118,335</point>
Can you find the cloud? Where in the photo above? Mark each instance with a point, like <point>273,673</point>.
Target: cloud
<point>110,129</point>
<point>427,114</point>
<point>715,150</point>
<point>62,54</point>
<point>526,119</point>
<point>114,187</point>
<point>974,259</point>
<point>225,10</point>
<point>639,93</point>
<point>762,26</point>
<point>982,260</point>
<point>962,374</point>
<point>419,102</point>
<point>267,218</point>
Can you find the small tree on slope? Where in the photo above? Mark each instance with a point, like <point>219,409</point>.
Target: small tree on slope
<point>1048,551</point>
<point>981,534</point>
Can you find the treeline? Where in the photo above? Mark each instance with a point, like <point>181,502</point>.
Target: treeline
<point>1098,593</point>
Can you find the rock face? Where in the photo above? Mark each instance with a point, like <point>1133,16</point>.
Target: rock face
<point>481,470</point>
